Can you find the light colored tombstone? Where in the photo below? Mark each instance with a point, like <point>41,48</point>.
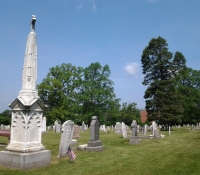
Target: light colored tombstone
<point>155,130</point>
<point>2,126</point>
<point>154,127</point>
<point>76,133</point>
<point>169,130</point>
<point>44,126</point>
<point>124,132</point>
<point>134,139</point>
<point>94,144</point>
<point>25,150</point>
<point>118,129</point>
<point>104,128</point>
<point>145,129</point>
<point>83,126</point>
<point>66,138</point>
<point>58,128</point>
<point>56,122</point>
<point>108,128</point>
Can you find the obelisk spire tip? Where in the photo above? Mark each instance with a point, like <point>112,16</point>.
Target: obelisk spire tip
<point>33,20</point>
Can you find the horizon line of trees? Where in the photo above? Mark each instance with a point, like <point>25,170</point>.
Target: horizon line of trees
<point>76,93</point>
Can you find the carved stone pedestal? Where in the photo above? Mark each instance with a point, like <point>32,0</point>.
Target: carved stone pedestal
<point>95,146</point>
<point>25,160</point>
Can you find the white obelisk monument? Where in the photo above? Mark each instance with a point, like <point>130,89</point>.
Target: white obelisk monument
<point>25,149</point>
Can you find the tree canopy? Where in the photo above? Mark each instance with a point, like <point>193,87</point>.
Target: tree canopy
<point>163,100</point>
<point>77,93</point>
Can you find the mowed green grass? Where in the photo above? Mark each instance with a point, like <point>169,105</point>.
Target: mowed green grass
<point>177,154</point>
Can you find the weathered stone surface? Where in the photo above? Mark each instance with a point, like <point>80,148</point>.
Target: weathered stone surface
<point>134,141</point>
<point>124,132</point>
<point>118,128</point>
<point>25,149</point>
<point>94,144</point>
<point>25,160</point>
<point>58,128</point>
<point>44,126</point>
<point>66,138</point>
<point>76,133</point>
<point>145,129</point>
<point>134,128</point>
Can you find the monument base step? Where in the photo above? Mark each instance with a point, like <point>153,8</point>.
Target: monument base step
<point>95,149</point>
<point>94,143</point>
<point>25,160</point>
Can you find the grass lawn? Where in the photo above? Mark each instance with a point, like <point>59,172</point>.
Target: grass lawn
<point>177,154</point>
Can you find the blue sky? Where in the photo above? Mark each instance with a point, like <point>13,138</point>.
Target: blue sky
<point>82,32</point>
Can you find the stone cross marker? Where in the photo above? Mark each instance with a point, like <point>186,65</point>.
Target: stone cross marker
<point>134,139</point>
<point>94,144</point>
<point>66,138</point>
<point>134,128</point>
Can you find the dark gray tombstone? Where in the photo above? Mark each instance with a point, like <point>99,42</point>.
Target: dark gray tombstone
<point>134,128</point>
<point>134,139</point>
<point>94,144</point>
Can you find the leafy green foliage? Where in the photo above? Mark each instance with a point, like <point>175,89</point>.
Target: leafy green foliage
<point>130,112</point>
<point>77,93</point>
<point>189,87</point>
<point>163,100</point>
<point>5,117</point>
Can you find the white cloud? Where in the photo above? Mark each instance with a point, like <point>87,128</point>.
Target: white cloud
<point>80,6</point>
<point>132,69</point>
<point>94,5</point>
<point>152,1</point>
<point>89,4</point>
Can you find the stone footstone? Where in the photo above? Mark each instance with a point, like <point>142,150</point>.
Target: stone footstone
<point>134,141</point>
<point>25,160</point>
<point>144,137</point>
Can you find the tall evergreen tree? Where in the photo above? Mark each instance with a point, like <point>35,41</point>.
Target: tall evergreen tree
<point>163,101</point>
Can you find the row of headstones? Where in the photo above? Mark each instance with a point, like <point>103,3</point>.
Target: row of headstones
<point>57,127</point>
<point>5,127</point>
<point>121,128</point>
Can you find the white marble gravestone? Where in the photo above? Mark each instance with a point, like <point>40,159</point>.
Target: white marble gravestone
<point>145,129</point>
<point>118,129</point>
<point>124,132</point>
<point>25,149</point>
<point>66,138</point>
<point>44,126</point>
<point>83,126</point>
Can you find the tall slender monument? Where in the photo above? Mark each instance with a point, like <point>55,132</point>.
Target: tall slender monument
<point>25,149</point>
